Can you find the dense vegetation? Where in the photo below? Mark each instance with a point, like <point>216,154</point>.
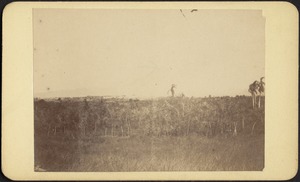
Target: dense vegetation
<point>161,117</point>
<point>96,134</point>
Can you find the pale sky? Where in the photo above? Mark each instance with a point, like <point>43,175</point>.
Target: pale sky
<point>140,53</point>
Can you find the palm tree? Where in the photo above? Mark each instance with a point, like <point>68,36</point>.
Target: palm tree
<point>254,90</point>
<point>261,89</point>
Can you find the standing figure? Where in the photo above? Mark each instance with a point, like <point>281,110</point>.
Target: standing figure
<point>172,89</point>
<point>254,90</point>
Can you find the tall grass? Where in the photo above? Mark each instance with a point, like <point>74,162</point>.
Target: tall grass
<point>190,153</point>
<point>167,134</point>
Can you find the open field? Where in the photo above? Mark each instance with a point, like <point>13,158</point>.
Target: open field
<point>152,154</point>
<point>167,134</point>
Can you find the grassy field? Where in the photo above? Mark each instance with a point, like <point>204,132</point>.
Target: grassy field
<point>190,153</point>
<point>177,134</point>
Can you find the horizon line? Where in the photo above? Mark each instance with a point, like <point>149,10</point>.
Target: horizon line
<point>125,97</point>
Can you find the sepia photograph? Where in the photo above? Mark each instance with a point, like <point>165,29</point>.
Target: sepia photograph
<point>132,90</point>
<point>150,91</point>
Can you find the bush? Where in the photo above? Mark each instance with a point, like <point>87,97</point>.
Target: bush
<point>81,118</point>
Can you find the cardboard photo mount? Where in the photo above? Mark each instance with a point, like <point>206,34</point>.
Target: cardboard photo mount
<point>281,73</point>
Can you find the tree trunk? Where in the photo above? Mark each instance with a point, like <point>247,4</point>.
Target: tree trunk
<point>129,128</point>
<point>95,127</point>
<point>183,110</point>
<point>235,130</point>
<point>84,127</point>
<point>122,131</point>
<point>253,100</point>
<point>167,127</point>
<point>210,129</point>
<point>252,131</point>
<point>222,128</point>
<point>188,128</point>
<point>243,122</point>
<point>54,130</point>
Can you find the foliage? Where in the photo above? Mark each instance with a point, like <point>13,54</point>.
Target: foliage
<point>213,116</point>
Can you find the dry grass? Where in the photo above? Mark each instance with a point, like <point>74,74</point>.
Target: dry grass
<point>189,153</point>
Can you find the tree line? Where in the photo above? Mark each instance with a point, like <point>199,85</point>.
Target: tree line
<point>182,116</point>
